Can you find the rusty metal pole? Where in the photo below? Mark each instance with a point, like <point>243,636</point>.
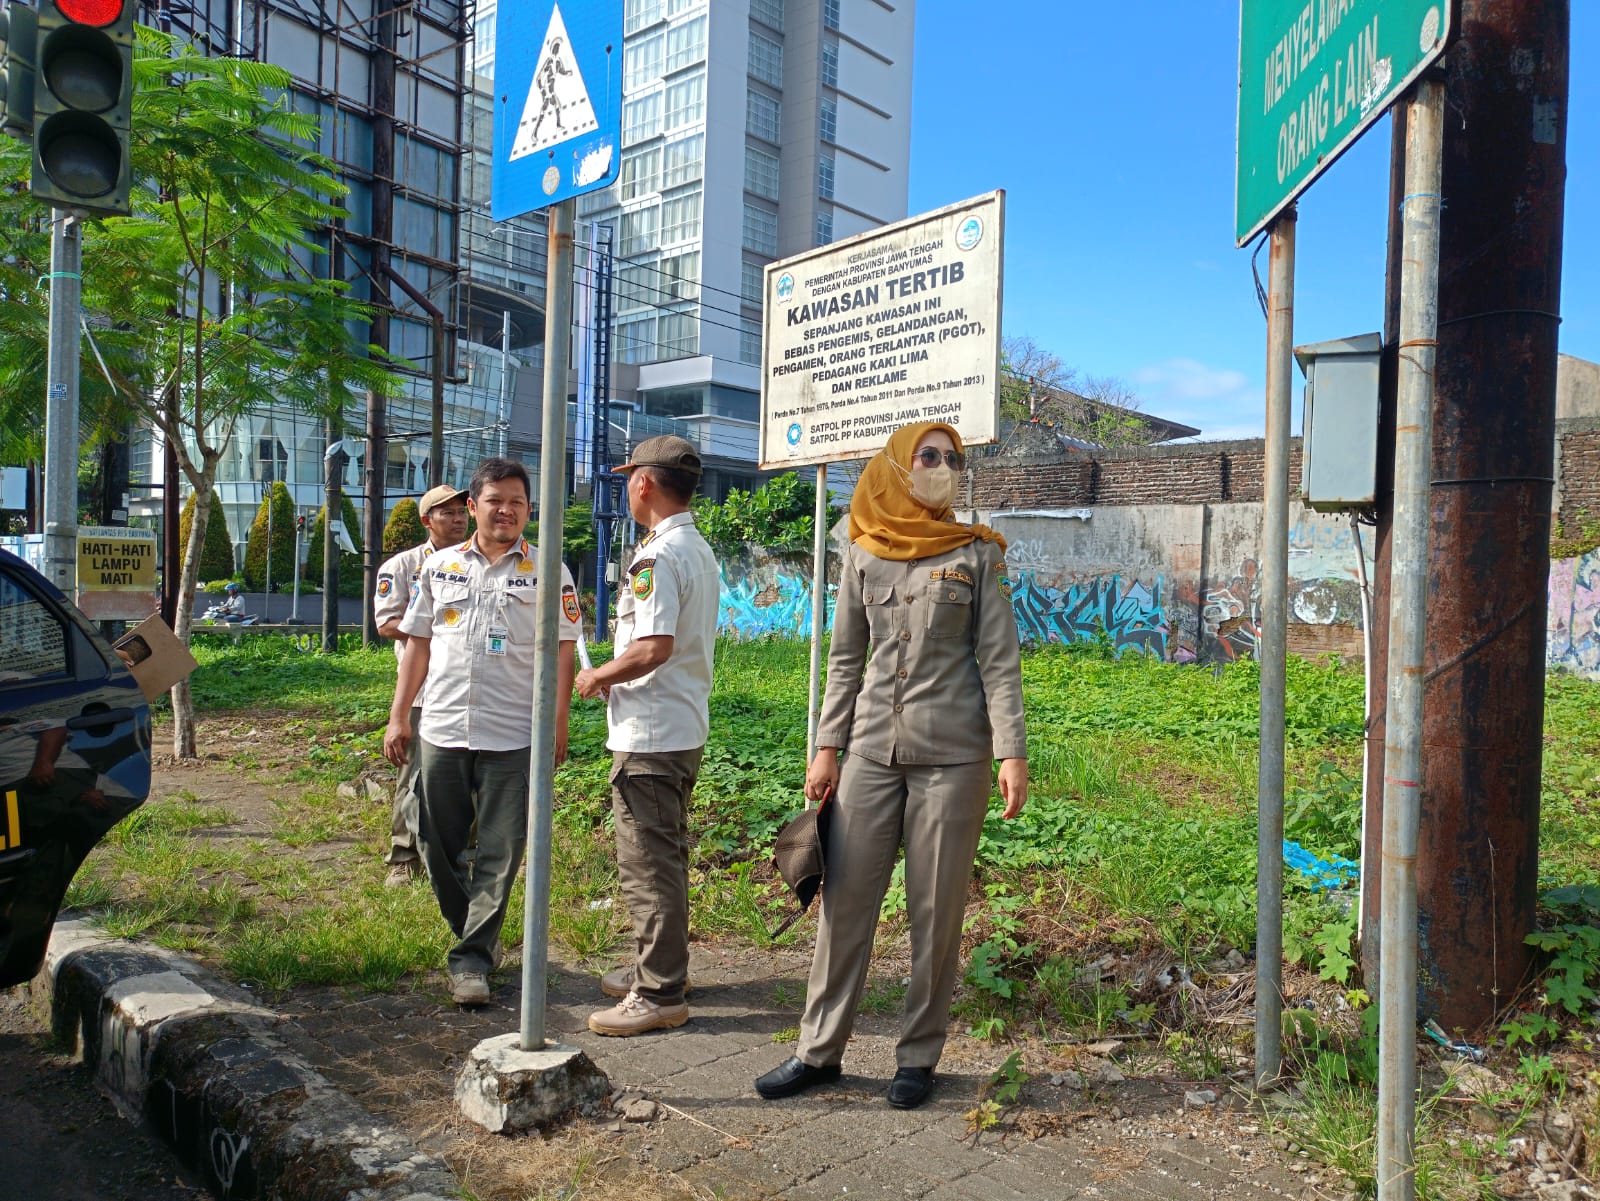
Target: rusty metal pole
<point>1494,454</point>
<point>1408,639</point>
<point>1273,652</point>
<point>1504,173</point>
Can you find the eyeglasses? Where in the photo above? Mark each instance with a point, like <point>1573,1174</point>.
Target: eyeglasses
<point>928,456</point>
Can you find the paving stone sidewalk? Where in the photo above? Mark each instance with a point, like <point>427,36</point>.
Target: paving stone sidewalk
<point>1129,1139</point>
<point>341,1095</point>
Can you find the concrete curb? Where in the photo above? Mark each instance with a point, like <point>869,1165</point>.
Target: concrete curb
<point>197,1061</point>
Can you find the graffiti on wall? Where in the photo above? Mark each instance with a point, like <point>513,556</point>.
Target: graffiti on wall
<point>1230,617</point>
<point>751,608</point>
<point>1130,614</point>
<point>1572,638</point>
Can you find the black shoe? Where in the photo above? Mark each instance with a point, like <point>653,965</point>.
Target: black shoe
<point>791,1077</point>
<point>910,1087</point>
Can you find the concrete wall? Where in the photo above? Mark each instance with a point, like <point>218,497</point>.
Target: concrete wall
<point>1572,639</point>
<point>1178,581</point>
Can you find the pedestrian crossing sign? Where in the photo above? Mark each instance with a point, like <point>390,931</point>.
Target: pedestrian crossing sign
<point>558,102</point>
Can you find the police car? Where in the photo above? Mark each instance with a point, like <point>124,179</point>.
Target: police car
<point>74,756</point>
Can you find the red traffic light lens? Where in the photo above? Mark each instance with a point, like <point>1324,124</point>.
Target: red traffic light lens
<point>98,13</point>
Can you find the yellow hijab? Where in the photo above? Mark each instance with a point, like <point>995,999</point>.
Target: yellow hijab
<point>884,518</point>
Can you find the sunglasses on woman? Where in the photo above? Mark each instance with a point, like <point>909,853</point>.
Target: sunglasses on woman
<point>930,457</point>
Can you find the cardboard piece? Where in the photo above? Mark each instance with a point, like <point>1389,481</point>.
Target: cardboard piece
<point>155,656</point>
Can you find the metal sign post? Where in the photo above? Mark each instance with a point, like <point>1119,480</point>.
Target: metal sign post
<point>1273,652</point>
<point>557,134</point>
<point>1311,78</point>
<point>819,610</point>
<point>1408,637</point>
<point>61,404</point>
<point>552,494</point>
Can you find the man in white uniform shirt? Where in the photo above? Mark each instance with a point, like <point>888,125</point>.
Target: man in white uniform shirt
<point>470,632</point>
<point>658,689</point>
<point>444,515</point>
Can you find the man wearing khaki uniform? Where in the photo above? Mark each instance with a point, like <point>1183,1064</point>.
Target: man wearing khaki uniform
<point>658,690</point>
<point>472,625</point>
<point>443,511</point>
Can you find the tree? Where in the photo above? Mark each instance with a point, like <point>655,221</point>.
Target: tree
<point>1035,385</point>
<point>403,530</point>
<point>778,516</point>
<point>216,550</point>
<point>215,297</point>
<point>577,537</point>
<point>349,564</point>
<point>255,547</point>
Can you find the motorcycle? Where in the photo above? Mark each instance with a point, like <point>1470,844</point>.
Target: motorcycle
<point>221,614</point>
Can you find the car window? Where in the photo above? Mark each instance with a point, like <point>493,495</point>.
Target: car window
<point>33,638</point>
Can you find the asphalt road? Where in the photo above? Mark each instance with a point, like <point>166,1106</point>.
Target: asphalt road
<point>62,1140</point>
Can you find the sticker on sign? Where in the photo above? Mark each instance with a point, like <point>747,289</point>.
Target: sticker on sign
<point>1313,74</point>
<point>895,325</point>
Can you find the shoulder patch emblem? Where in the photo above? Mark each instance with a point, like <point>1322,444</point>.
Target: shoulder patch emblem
<point>385,585</point>
<point>569,606</point>
<point>644,582</point>
<point>1002,581</point>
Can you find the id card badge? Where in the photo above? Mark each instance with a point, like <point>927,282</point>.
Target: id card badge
<point>494,641</point>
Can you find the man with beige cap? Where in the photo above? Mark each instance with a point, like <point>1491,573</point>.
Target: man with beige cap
<point>444,515</point>
<point>657,690</point>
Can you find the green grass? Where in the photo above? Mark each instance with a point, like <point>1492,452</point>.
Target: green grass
<point>371,940</point>
<point>1139,832</point>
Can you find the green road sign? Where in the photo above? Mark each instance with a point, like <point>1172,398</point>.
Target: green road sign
<point>1312,75</point>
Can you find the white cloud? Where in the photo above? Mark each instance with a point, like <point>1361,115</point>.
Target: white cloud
<point>1222,402</point>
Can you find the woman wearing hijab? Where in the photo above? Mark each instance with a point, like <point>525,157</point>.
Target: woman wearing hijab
<point>924,688</point>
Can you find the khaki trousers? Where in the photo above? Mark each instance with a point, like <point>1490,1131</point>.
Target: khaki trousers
<point>403,812</point>
<point>456,788</point>
<point>650,808</point>
<point>937,811</point>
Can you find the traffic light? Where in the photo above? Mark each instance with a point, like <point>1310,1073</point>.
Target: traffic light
<point>82,104</point>
<point>17,32</point>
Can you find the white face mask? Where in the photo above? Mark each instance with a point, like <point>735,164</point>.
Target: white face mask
<point>934,487</point>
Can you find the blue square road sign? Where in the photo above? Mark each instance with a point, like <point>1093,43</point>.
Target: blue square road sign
<point>558,102</point>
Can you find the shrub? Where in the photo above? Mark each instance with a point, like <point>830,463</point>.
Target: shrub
<point>216,553</point>
<point>255,550</point>
<point>404,529</point>
<point>349,564</point>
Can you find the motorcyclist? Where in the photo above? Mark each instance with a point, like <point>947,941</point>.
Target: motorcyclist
<point>232,608</point>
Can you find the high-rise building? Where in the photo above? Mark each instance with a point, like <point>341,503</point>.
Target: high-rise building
<point>751,130</point>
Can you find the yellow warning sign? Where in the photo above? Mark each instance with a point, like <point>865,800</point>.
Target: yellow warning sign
<point>112,559</point>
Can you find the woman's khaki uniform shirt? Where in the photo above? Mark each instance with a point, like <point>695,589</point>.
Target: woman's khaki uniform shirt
<point>943,683</point>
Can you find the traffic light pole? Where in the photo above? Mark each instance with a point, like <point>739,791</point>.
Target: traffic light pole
<point>61,404</point>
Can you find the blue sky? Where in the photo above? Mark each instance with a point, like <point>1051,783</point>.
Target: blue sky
<point>1111,128</point>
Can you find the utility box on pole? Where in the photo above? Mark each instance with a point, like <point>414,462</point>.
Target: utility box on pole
<point>1339,465</point>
